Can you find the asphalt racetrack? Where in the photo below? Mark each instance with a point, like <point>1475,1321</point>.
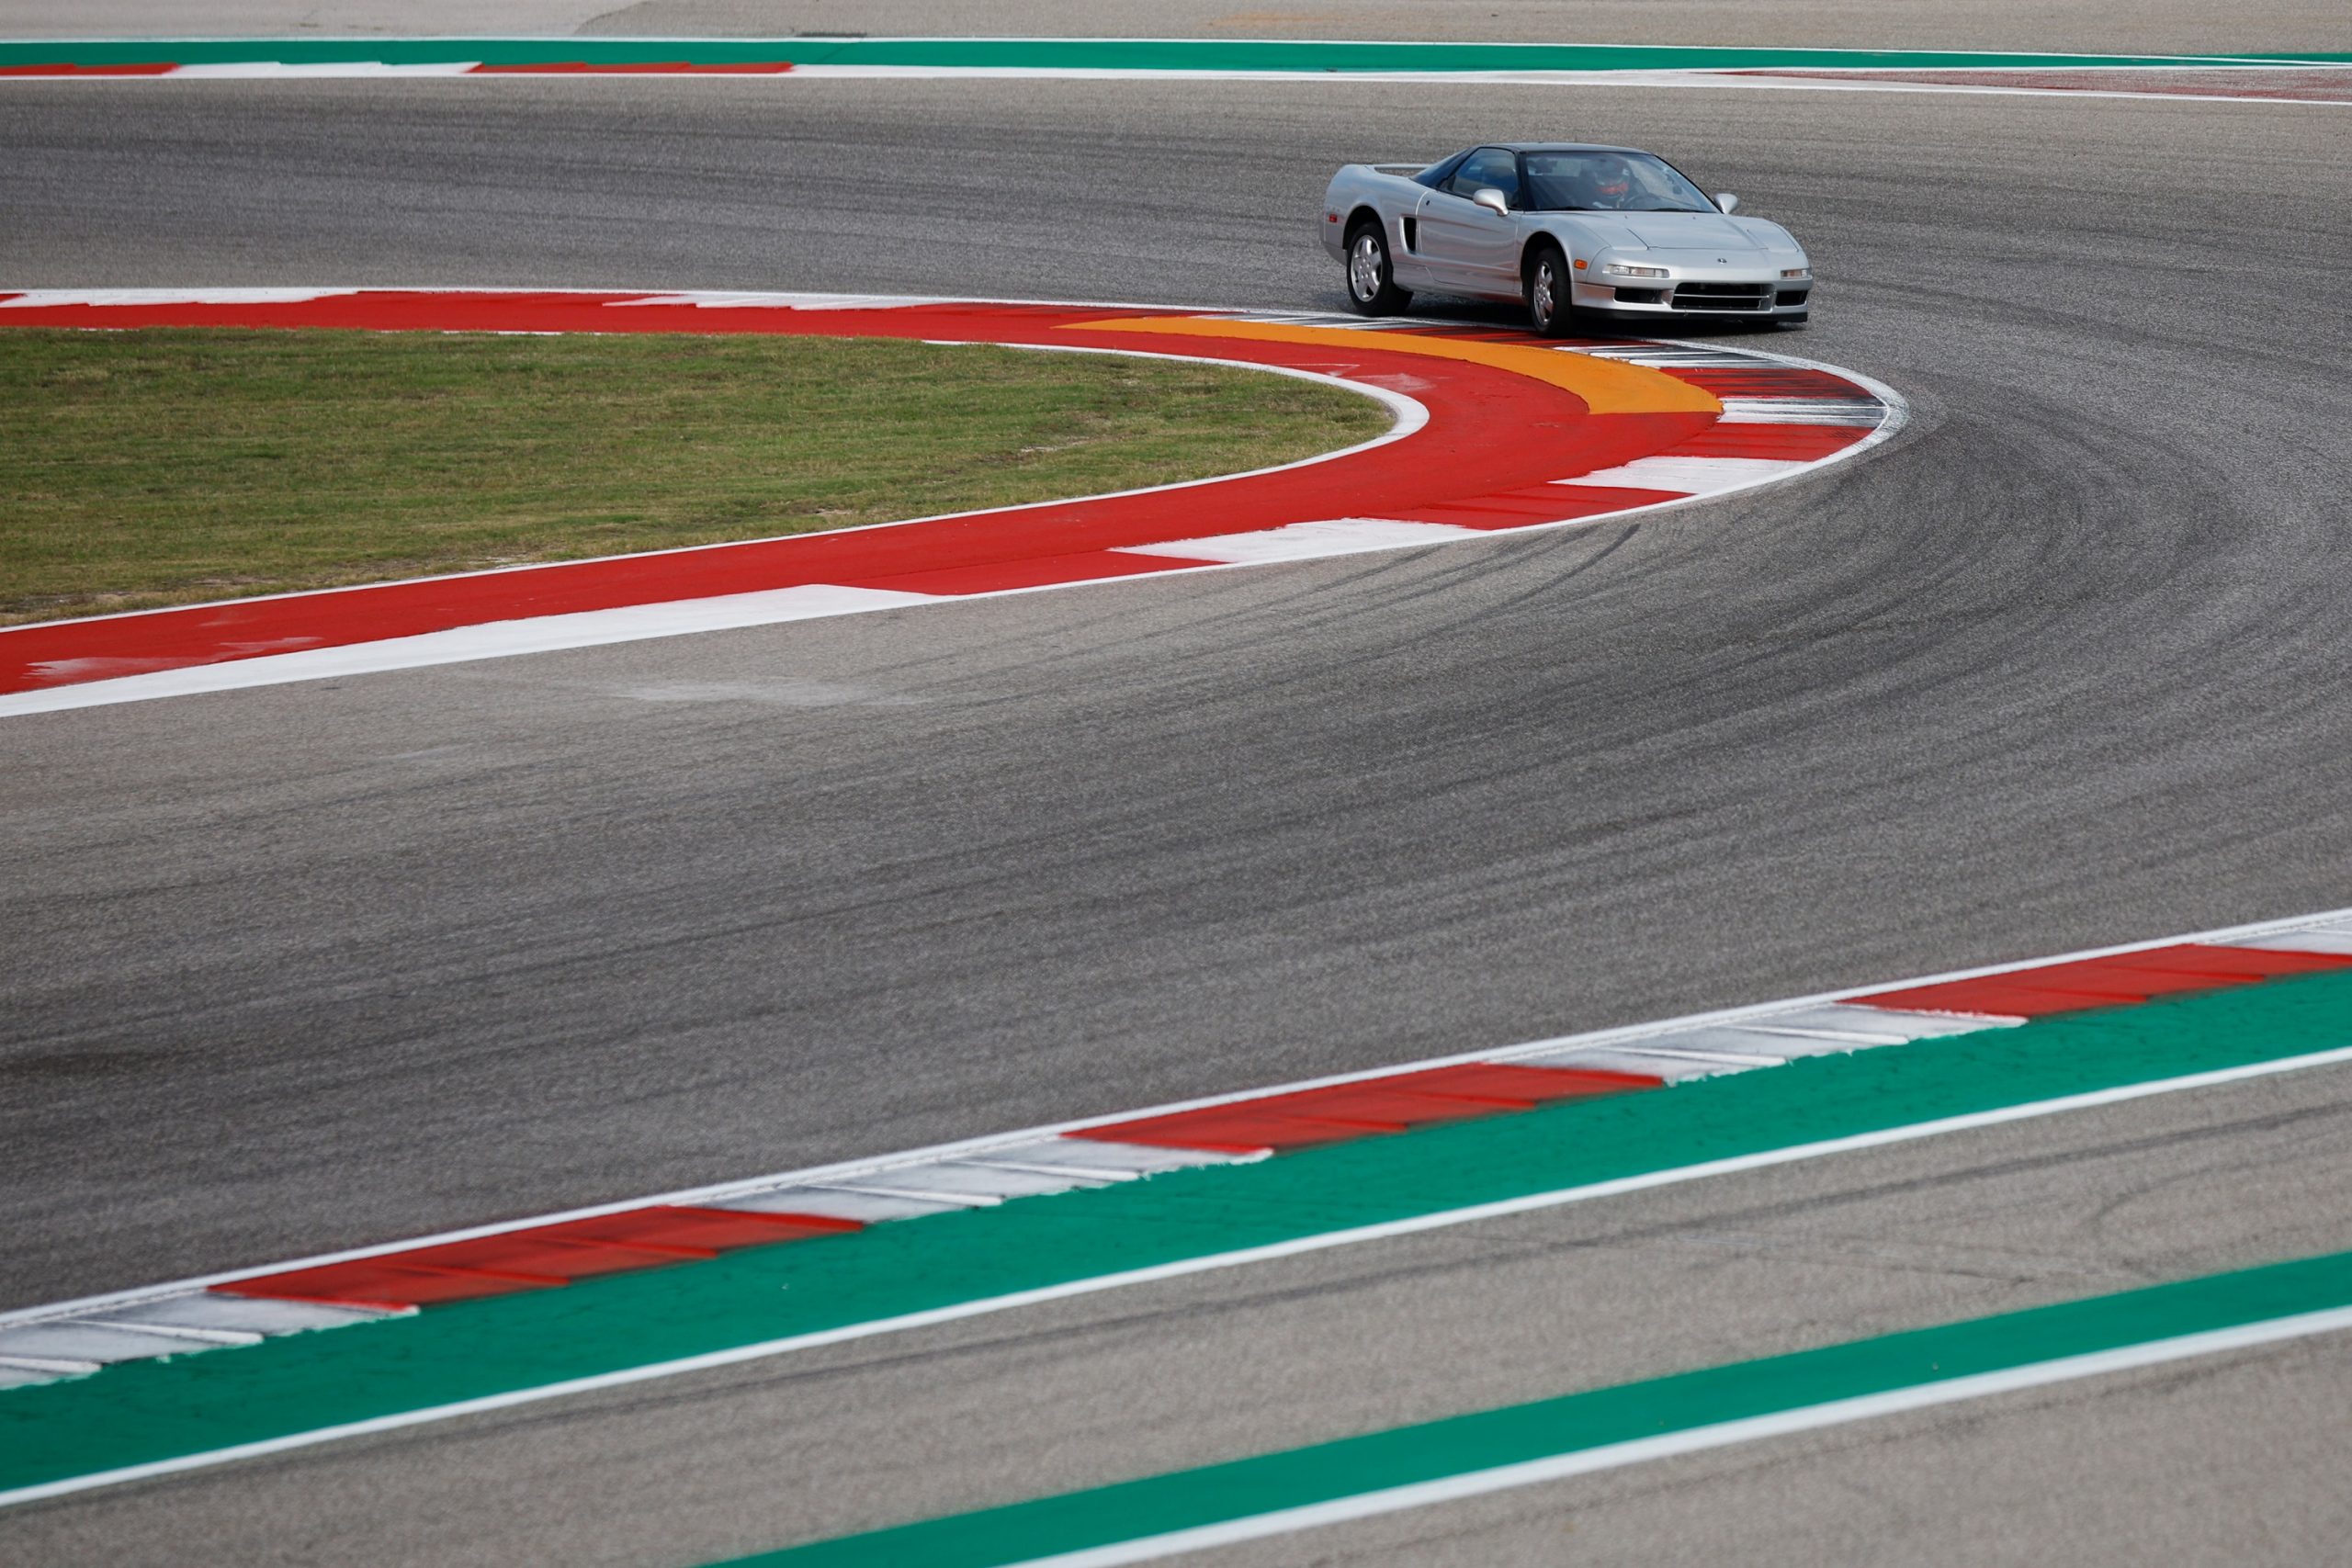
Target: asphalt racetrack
<point>331,964</point>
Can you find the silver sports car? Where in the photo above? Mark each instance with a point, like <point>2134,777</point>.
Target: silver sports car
<point>1573,231</point>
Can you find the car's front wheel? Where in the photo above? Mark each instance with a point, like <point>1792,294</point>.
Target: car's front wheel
<point>1551,310</point>
<point>1372,282</point>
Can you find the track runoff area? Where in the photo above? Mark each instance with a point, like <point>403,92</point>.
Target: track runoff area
<point>142,1384</point>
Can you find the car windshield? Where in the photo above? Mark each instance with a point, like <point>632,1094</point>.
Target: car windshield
<point>1608,182</point>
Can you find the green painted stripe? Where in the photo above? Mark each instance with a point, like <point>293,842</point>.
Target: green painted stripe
<point>1521,1434</point>
<point>149,1411</point>
<point>1066,54</point>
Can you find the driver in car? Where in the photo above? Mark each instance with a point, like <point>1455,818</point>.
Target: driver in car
<point>1607,183</point>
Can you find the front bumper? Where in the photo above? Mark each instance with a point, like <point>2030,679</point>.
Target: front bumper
<point>1693,294</point>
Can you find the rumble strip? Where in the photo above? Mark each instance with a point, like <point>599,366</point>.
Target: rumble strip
<point>74,1339</point>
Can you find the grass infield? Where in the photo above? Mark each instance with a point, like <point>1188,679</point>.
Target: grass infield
<point>168,467</point>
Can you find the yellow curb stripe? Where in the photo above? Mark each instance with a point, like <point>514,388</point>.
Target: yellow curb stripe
<point>1606,386</point>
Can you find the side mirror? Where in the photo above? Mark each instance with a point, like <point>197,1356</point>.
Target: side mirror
<point>1727,201</point>
<point>1492,200</point>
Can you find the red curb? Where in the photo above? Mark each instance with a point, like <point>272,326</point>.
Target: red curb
<point>157,69</point>
<point>1396,1103</point>
<point>1792,443</point>
<point>654,1233</point>
<point>1516,433</point>
<point>2121,981</point>
<point>1518,509</point>
<point>540,1257</point>
<point>546,1257</point>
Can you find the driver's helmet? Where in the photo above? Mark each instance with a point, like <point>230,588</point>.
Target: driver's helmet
<point>1611,179</point>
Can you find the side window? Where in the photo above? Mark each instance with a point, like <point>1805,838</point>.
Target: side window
<point>1489,167</point>
<point>1436,176</point>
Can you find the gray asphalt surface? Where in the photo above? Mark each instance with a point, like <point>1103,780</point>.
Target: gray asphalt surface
<point>333,963</point>
<point>2062,668</point>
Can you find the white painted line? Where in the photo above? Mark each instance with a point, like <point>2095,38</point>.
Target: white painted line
<point>1307,541</point>
<point>1742,78</point>
<point>748,300</point>
<point>1659,355</point>
<point>915,1191</point>
<point>1862,1018</point>
<point>265,1316</point>
<point>15,1376</point>
<point>83,1340</point>
<point>1843,412</point>
<point>2332,936</point>
<point>53,299</point>
<point>1739,77</point>
<point>786,1191</point>
<point>2313,942</point>
<point>495,639</point>
<point>835,1203</point>
<point>1691,476</point>
<point>1732,77</point>
<point>22,1370</point>
<point>177,1324</point>
<point>1071,1175</point>
<point>1181,1268</point>
<point>1729,1040</point>
<point>968,1179</point>
<point>1105,1157</point>
<point>1674,1066</point>
<point>1698,1439</point>
<point>250,70</point>
<point>1848,1038</point>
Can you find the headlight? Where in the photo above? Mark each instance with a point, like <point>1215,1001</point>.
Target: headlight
<point>1795,272</point>
<point>1619,269</point>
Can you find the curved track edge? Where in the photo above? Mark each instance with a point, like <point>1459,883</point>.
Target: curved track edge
<point>1497,432</point>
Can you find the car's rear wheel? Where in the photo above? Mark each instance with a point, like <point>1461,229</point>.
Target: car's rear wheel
<point>1372,282</point>
<point>1550,308</point>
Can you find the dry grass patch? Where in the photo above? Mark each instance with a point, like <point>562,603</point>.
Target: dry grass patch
<point>164,466</point>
